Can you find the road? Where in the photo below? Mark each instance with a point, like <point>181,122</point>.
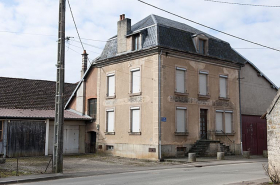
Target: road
<point>221,174</point>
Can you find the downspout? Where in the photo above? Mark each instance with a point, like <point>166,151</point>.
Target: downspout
<point>239,78</point>
<point>159,106</point>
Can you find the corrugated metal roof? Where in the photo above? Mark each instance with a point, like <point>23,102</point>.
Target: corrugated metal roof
<point>39,114</point>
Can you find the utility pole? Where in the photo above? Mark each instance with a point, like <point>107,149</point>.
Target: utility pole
<point>59,95</point>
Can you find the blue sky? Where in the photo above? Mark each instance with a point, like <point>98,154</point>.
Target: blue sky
<point>27,55</point>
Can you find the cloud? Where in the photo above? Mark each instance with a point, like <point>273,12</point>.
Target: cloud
<point>35,56</point>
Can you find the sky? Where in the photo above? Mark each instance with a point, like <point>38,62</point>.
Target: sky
<point>28,31</point>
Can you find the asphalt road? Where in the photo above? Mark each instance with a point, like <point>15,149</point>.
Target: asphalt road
<point>221,174</point>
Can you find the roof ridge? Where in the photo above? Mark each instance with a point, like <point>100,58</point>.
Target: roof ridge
<point>27,79</point>
<point>154,19</point>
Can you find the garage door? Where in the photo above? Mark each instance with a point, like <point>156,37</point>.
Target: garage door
<point>71,139</point>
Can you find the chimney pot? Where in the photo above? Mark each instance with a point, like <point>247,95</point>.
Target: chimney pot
<point>123,16</point>
<point>120,17</point>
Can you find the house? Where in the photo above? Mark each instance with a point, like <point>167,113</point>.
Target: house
<point>273,130</point>
<point>159,89</point>
<point>27,118</point>
<point>257,91</point>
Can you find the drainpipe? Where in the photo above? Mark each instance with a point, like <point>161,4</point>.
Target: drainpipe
<point>240,110</point>
<point>159,106</point>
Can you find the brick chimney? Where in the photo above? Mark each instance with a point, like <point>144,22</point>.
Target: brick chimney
<point>124,27</point>
<point>84,63</point>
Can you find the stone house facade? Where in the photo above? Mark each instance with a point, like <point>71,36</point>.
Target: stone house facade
<point>157,88</point>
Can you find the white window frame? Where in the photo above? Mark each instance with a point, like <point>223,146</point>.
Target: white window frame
<point>206,73</point>
<point>224,124</point>
<point>177,69</point>
<point>226,86</point>
<point>185,120</point>
<point>132,92</point>
<point>107,120</point>
<point>131,129</point>
<point>109,75</point>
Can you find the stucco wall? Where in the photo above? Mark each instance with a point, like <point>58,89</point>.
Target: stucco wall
<point>126,144</point>
<point>170,100</point>
<point>256,92</point>
<point>273,136</point>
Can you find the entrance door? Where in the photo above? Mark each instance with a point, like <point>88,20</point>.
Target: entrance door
<point>203,123</point>
<point>92,142</point>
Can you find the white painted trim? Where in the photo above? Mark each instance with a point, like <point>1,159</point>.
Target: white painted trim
<point>219,111</point>
<point>135,69</point>
<point>134,108</point>
<point>203,72</point>
<point>228,111</point>
<point>47,137</point>
<point>223,76</point>
<point>180,68</point>
<point>182,108</point>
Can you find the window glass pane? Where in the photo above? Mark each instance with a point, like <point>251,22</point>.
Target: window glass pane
<point>135,119</point>
<point>180,81</point>
<point>92,107</point>
<point>135,81</point>
<point>228,123</point>
<point>180,120</point>
<point>201,46</point>
<point>0,125</point>
<point>203,84</point>
<point>111,85</point>
<point>110,121</point>
<point>219,121</point>
<point>223,87</point>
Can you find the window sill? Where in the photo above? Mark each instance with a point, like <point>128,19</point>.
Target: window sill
<point>111,97</point>
<point>135,94</point>
<point>181,94</point>
<point>109,133</point>
<point>181,133</point>
<point>222,98</point>
<point>203,97</point>
<point>134,133</point>
<point>224,134</point>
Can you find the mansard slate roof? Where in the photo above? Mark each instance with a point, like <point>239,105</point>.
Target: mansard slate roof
<point>16,93</point>
<point>163,32</point>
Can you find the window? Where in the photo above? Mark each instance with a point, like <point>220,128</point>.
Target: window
<point>111,85</point>
<point>110,117</point>
<point>135,119</point>
<point>1,130</point>
<point>180,80</point>
<point>135,81</point>
<point>201,46</point>
<point>224,122</point>
<point>203,78</point>
<point>181,119</point>
<point>136,42</point>
<point>92,107</point>
<point>223,86</point>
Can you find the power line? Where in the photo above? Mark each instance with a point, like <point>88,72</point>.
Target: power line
<point>250,48</point>
<point>208,26</point>
<point>94,40</point>
<point>224,2</point>
<point>75,24</point>
<point>87,44</point>
<point>82,48</point>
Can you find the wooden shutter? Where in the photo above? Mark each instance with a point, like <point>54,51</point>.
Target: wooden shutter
<point>135,119</point>
<point>110,121</point>
<point>223,87</point>
<point>219,121</point>
<point>111,85</point>
<point>203,84</point>
<point>135,86</point>
<point>180,80</point>
<point>180,119</point>
<point>228,122</point>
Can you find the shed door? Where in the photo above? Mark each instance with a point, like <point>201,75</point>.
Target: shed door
<point>71,139</point>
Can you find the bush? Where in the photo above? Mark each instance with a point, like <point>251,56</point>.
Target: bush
<point>272,173</point>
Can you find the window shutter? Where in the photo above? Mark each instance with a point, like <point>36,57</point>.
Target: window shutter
<point>219,121</point>
<point>135,118</point>
<point>203,84</point>
<point>110,121</point>
<point>180,120</point>
<point>180,81</point>
<point>223,87</point>
<point>136,81</point>
<point>228,123</point>
<point>111,85</point>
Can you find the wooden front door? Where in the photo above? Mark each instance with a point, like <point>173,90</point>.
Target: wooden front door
<point>203,123</point>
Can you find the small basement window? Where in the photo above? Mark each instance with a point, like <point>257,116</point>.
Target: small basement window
<point>109,147</point>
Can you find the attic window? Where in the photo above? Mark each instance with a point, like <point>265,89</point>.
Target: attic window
<point>136,42</point>
<point>201,44</point>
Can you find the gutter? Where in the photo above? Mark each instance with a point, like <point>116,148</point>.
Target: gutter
<point>159,106</point>
<point>241,147</point>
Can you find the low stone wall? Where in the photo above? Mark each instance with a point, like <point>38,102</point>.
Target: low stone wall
<point>175,150</point>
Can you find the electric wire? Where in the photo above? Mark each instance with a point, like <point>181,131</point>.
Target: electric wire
<point>75,24</point>
<point>224,2</point>
<point>87,44</point>
<point>208,26</point>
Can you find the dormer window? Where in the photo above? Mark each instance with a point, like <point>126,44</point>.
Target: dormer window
<point>136,42</point>
<point>201,44</point>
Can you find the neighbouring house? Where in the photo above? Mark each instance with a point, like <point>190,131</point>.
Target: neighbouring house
<point>27,118</point>
<point>257,92</point>
<point>273,132</point>
<point>161,89</point>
